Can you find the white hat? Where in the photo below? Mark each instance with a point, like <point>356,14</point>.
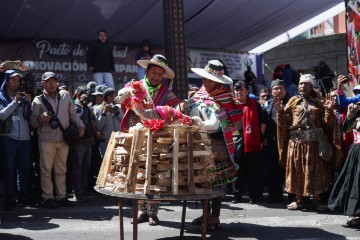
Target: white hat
<point>214,71</point>
<point>16,74</point>
<point>357,87</point>
<point>307,78</point>
<point>161,61</point>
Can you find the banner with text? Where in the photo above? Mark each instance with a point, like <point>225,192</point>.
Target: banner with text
<point>68,59</point>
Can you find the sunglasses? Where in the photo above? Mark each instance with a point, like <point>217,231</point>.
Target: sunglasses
<point>265,96</point>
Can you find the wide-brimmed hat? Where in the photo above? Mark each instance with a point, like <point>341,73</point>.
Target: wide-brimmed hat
<point>214,71</point>
<point>161,61</point>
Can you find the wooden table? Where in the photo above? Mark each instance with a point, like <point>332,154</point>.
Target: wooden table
<point>135,197</point>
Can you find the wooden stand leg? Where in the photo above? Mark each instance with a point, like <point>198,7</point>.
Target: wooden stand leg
<point>121,219</point>
<point>135,220</point>
<point>204,220</point>
<point>183,219</point>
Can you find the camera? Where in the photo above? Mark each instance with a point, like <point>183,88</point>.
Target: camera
<point>85,101</point>
<point>348,78</point>
<point>54,124</point>
<point>22,94</point>
<point>113,107</point>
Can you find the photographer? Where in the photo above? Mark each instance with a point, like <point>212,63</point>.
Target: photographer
<point>344,101</point>
<point>52,147</point>
<point>28,83</point>
<point>15,139</point>
<point>107,118</point>
<point>82,150</point>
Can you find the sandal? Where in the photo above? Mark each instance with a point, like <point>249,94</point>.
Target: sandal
<point>143,217</point>
<point>153,220</point>
<point>294,206</point>
<point>353,222</point>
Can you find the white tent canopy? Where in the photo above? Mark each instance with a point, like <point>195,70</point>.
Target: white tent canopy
<point>239,25</point>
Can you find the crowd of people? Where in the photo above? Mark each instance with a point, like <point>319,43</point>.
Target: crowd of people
<point>281,142</point>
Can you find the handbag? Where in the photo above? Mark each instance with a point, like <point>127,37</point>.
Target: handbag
<point>326,150</point>
<point>71,133</point>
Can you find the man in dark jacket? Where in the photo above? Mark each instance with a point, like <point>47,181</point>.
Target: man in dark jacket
<point>276,174</point>
<point>100,60</point>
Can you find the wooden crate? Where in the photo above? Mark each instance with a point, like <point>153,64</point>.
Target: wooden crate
<point>175,160</point>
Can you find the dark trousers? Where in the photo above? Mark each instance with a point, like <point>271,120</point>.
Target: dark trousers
<point>96,161</point>
<point>80,168</point>
<point>275,173</point>
<point>16,164</point>
<point>250,171</point>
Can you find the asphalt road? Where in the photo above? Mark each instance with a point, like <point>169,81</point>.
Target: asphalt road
<point>98,219</point>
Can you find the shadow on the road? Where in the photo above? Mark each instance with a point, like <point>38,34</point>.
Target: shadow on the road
<point>246,230</point>
<point>8,236</point>
<point>38,218</point>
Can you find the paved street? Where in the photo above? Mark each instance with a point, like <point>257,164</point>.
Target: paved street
<point>98,219</point>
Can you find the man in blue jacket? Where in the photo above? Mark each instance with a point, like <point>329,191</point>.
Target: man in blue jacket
<point>15,139</point>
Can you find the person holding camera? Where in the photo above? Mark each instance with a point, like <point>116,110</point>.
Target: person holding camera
<point>108,117</point>
<point>15,139</point>
<point>344,101</point>
<point>52,147</point>
<point>82,150</point>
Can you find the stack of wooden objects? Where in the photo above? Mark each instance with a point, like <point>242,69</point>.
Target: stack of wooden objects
<point>175,160</point>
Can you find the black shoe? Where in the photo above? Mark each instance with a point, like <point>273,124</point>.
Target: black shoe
<point>51,204</point>
<point>66,203</point>
<point>9,206</point>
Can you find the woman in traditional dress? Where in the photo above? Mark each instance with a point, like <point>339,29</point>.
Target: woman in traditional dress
<point>344,196</point>
<point>216,106</point>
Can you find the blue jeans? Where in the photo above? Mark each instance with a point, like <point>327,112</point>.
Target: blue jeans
<point>16,164</point>
<point>80,168</point>
<point>103,78</point>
